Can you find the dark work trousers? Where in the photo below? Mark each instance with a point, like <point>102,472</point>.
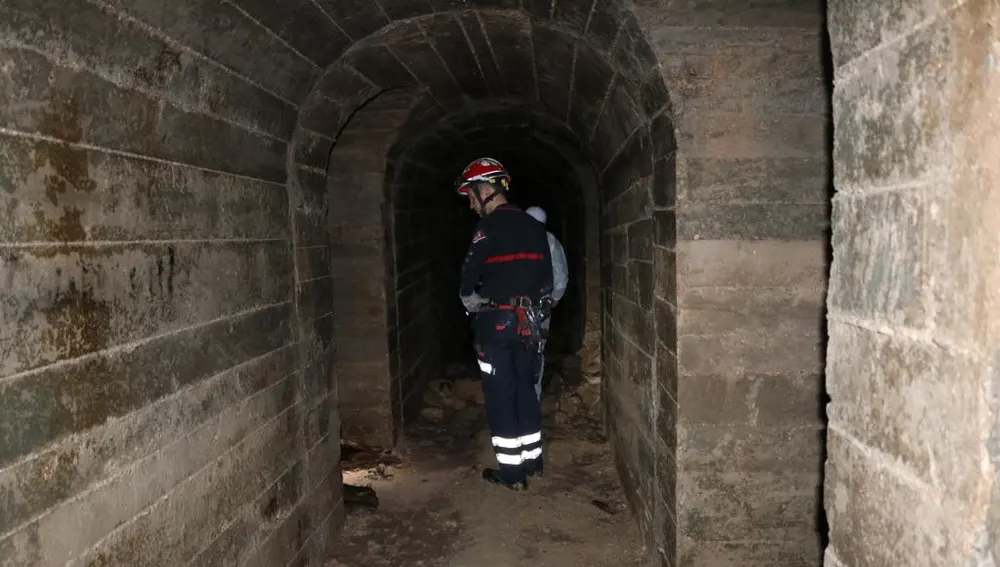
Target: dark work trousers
<point>508,374</point>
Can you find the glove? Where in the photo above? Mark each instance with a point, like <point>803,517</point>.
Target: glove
<point>545,307</point>
<point>474,302</point>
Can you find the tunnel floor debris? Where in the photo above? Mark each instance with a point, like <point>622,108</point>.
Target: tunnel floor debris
<point>433,510</point>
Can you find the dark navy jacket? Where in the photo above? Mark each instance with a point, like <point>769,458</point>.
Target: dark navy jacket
<point>509,257</point>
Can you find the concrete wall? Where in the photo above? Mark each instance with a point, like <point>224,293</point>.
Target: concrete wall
<point>752,179</point>
<point>914,312</point>
<point>158,404</point>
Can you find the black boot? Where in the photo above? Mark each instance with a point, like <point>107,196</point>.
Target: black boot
<point>493,476</point>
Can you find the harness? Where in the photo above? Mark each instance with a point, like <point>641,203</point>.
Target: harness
<point>529,317</point>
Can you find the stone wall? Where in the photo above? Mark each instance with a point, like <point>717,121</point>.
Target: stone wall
<point>913,309</point>
<point>428,314</point>
<point>749,98</point>
<point>366,316</point>
<point>154,377</point>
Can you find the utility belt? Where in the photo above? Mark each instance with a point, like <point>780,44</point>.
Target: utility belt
<point>527,318</point>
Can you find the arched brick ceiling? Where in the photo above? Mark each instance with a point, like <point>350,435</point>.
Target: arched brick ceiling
<point>585,63</point>
<point>430,140</point>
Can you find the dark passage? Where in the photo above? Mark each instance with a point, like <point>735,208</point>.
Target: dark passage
<point>230,247</point>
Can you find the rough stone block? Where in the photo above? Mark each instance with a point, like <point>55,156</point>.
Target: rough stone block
<point>57,194</point>
<point>618,119</point>
<point>66,32</point>
<point>592,77</point>
<point>453,47</point>
<point>882,395</point>
<point>665,233</point>
<point>510,37</point>
<point>71,466</point>
<point>312,149</point>
<point>665,432</point>
<point>423,62</point>
<point>315,298</point>
<point>252,523</point>
<point>541,10</point>
<point>118,294</point>
<point>358,18</point>
<point>554,60</point>
<point>572,15</point>
<point>312,262</point>
<point>632,166</point>
<point>256,56</point>
<point>379,65</point>
<point>640,237</point>
<point>665,274</point>
<point>632,51</point>
<point>325,116</point>
<point>79,107</point>
<point>303,25</point>
<point>639,276</point>
<point>633,205</point>
<point>859,27</point>
<point>57,401</point>
<point>605,19</point>
<point>888,232</point>
<point>902,145</point>
<point>481,49</point>
<point>929,528</point>
<point>654,97</point>
<point>59,537</point>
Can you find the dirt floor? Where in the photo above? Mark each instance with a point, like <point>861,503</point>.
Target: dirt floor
<point>435,511</point>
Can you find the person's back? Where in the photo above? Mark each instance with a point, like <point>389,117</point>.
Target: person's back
<point>516,257</point>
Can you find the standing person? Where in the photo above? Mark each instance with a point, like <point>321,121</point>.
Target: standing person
<point>506,273</point>
<point>560,279</point>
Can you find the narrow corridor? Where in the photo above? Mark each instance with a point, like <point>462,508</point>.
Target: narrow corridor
<point>230,244</point>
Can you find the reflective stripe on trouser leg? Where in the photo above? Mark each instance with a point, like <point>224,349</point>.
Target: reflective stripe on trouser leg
<point>529,414</point>
<point>499,390</point>
<point>531,448</point>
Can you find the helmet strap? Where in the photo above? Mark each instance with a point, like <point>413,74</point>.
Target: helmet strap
<point>483,202</point>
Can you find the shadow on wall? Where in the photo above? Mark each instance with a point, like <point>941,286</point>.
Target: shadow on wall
<point>826,59</point>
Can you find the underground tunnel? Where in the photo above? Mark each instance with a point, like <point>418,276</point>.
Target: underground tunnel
<point>231,240</point>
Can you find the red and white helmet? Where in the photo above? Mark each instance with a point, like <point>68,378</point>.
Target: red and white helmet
<point>483,169</point>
